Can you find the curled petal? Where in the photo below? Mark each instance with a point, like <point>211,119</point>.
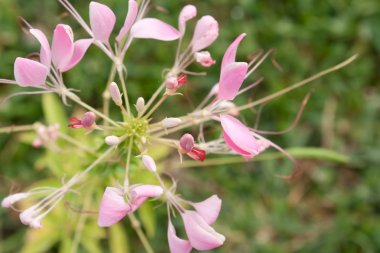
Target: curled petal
<point>188,12</point>
<point>151,28</point>
<point>62,48</point>
<point>230,54</point>
<point>129,20</point>
<point>102,21</point>
<point>238,137</point>
<point>231,79</point>
<point>209,209</point>
<point>80,48</point>
<point>176,244</point>
<point>113,207</point>
<point>141,192</point>
<point>45,52</point>
<point>201,235</point>
<point>205,33</point>
<point>29,73</point>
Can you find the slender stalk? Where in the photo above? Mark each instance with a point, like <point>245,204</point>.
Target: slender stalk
<point>124,87</point>
<point>137,227</point>
<point>106,93</point>
<point>297,85</point>
<point>153,98</point>
<point>162,99</point>
<point>84,105</point>
<point>12,129</point>
<point>126,177</point>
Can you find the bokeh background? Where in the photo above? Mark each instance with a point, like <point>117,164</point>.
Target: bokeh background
<point>334,206</point>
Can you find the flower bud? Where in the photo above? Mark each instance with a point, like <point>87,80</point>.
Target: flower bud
<point>205,33</point>
<point>88,119</point>
<point>187,142</point>
<point>204,58</point>
<point>171,83</point>
<point>11,199</point>
<point>112,140</point>
<point>149,163</point>
<point>140,104</point>
<point>170,122</point>
<point>115,94</point>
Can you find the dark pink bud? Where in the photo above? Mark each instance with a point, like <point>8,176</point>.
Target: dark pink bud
<point>88,119</point>
<point>197,154</point>
<point>187,143</point>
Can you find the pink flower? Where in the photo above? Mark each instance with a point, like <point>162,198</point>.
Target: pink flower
<point>176,244</point>
<point>129,20</point>
<point>187,146</point>
<point>209,208</point>
<point>102,21</point>
<point>201,235</point>
<point>240,139</point>
<point>29,73</point>
<point>232,73</point>
<point>64,53</point>
<point>152,28</point>
<point>204,58</point>
<point>87,121</point>
<point>187,13</point>
<point>11,199</point>
<point>173,83</point>
<point>113,206</point>
<point>205,33</point>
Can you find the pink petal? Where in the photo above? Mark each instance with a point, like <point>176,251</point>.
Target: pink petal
<point>238,137</point>
<point>188,12</point>
<point>112,208</point>
<point>45,52</point>
<point>133,9</point>
<point>102,21</point>
<point>201,235</point>
<point>205,33</point>
<point>176,244</point>
<point>151,28</point>
<point>29,73</point>
<point>209,209</point>
<point>63,46</point>
<point>141,192</point>
<point>231,79</point>
<point>230,54</point>
<point>80,48</point>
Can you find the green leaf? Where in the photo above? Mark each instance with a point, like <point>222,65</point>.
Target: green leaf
<point>118,240</point>
<point>148,218</point>
<point>54,111</point>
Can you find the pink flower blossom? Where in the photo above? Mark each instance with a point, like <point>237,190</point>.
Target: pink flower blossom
<point>187,146</point>
<point>113,206</point>
<point>129,20</point>
<point>201,235</point>
<point>29,73</point>
<point>176,244</point>
<point>239,138</point>
<point>205,33</point>
<point>232,73</point>
<point>204,58</point>
<point>209,208</point>
<point>152,28</point>
<point>102,21</point>
<point>187,13</point>
<point>87,121</point>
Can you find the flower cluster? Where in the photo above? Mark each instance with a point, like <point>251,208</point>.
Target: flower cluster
<point>133,137</point>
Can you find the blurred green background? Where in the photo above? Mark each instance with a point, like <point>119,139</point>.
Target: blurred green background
<point>331,207</point>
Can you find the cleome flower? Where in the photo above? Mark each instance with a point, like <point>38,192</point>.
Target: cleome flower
<point>128,138</point>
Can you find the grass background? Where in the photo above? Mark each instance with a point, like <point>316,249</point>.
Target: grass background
<point>332,207</point>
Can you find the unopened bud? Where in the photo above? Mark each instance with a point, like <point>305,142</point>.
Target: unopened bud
<point>149,163</point>
<point>187,142</point>
<point>115,94</point>
<point>11,199</point>
<point>36,223</point>
<point>112,140</point>
<point>88,119</point>
<point>140,104</point>
<point>204,58</point>
<point>171,83</point>
<point>170,122</point>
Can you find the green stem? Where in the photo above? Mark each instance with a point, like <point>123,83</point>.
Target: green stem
<point>137,227</point>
